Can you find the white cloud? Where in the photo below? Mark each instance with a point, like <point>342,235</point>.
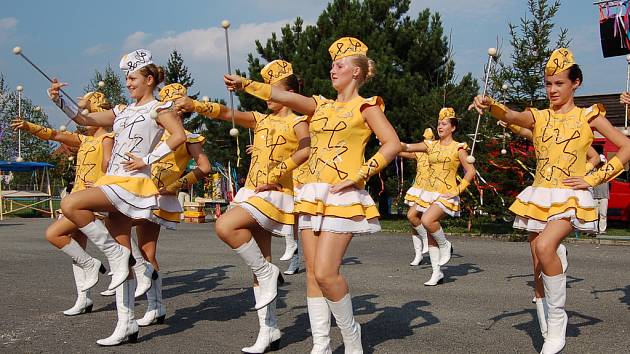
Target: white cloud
<point>208,44</point>
<point>7,27</point>
<point>96,49</point>
<point>135,40</point>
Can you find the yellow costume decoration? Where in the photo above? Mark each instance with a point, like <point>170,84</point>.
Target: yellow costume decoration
<point>257,89</point>
<point>208,109</point>
<point>606,173</point>
<point>172,92</point>
<point>442,179</point>
<point>167,172</point>
<point>39,131</point>
<point>274,143</point>
<point>276,71</point>
<point>561,142</point>
<point>89,167</point>
<point>339,135</point>
<point>345,47</point>
<point>560,60</point>
<point>446,113</point>
<point>422,173</point>
<point>97,102</point>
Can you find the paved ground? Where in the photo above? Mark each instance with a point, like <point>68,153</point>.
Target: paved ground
<point>483,307</point>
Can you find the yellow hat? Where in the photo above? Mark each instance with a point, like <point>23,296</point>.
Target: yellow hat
<point>560,60</point>
<point>345,47</point>
<point>97,101</point>
<point>428,134</point>
<point>276,71</point>
<point>172,92</point>
<point>446,113</point>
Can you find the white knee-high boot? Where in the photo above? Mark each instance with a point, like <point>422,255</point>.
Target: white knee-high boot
<point>319,317</point>
<point>350,329</point>
<point>446,249</point>
<point>84,303</point>
<point>541,312</point>
<point>268,335</point>
<point>142,270</point>
<point>557,319</point>
<point>417,247</point>
<point>422,232</point>
<point>126,326</point>
<point>117,255</point>
<point>266,273</point>
<point>437,277</point>
<point>294,265</point>
<point>156,310</point>
<point>563,254</point>
<point>290,248</point>
<point>90,265</point>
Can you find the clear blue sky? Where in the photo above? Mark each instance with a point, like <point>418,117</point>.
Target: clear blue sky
<point>70,39</point>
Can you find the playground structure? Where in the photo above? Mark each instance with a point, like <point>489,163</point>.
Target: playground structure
<point>15,198</point>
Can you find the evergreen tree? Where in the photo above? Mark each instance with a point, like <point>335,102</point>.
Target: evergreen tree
<point>113,89</point>
<point>531,47</point>
<point>32,148</point>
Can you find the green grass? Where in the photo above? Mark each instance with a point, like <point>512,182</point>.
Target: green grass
<point>28,213</point>
<point>485,226</point>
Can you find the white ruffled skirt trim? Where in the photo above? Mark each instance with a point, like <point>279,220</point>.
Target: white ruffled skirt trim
<point>314,192</point>
<point>281,201</point>
<point>431,198</point>
<point>357,225</point>
<point>533,225</point>
<point>128,203</point>
<point>168,203</point>
<point>412,194</point>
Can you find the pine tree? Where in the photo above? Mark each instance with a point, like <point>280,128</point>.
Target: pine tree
<point>113,89</point>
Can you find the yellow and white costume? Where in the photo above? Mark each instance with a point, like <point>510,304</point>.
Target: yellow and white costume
<point>339,135</point>
<point>89,167</point>
<point>561,142</point>
<point>422,173</point>
<point>133,193</point>
<point>274,142</point>
<point>167,171</point>
<point>442,179</point>
<point>442,176</point>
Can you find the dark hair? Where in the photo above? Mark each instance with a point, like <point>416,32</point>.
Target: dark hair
<point>575,73</point>
<point>598,148</point>
<point>292,83</point>
<point>153,70</point>
<point>454,122</point>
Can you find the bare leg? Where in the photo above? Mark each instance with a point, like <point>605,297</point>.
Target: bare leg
<point>331,248</point>
<point>148,234</point>
<point>539,289</point>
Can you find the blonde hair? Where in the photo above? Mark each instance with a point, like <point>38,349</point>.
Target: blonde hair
<point>153,70</point>
<point>367,66</point>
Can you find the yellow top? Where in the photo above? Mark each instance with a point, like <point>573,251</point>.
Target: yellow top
<point>443,166</point>
<point>274,141</point>
<point>561,142</point>
<point>89,167</point>
<point>338,138</point>
<point>172,166</point>
<point>422,169</point>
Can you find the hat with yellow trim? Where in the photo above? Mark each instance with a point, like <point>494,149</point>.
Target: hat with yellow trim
<point>97,102</point>
<point>560,60</point>
<point>446,113</point>
<point>172,92</point>
<point>276,71</point>
<point>347,46</point>
<point>428,134</point>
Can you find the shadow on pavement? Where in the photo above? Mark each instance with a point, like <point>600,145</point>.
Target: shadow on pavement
<point>531,327</point>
